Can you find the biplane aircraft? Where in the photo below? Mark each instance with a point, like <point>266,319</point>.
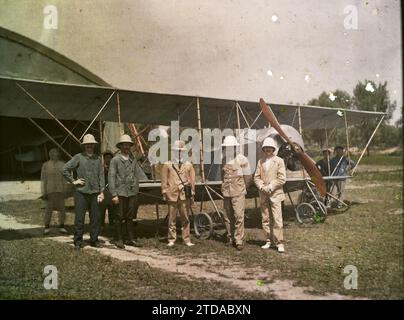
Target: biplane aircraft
<point>33,100</point>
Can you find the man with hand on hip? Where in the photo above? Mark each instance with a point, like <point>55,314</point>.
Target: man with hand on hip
<point>90,184</point>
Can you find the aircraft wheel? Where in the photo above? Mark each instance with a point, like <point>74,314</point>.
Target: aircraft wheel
<point>203,225</point>
<point>305,213</point>
<point>217,219</point>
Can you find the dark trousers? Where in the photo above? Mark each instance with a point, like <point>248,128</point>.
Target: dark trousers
<point>111,213</point>
<point>327,197</point>
<point>107,204</point>
<point>124,216</point>
<point>82,203</point>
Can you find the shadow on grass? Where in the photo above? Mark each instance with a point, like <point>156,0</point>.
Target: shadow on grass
<point>256,242</point>
<point>30,233</point>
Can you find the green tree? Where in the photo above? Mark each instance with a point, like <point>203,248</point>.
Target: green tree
<point>369,97</point>
<point>388,136</point>
<point>342,101</point>
<point>399,125</point>
<point>399,122</point>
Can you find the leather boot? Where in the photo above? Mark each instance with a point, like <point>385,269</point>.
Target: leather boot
<point>118,234</point>
<point>129,228</point>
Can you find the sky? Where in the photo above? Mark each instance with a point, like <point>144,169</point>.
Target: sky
<point>282,50</point>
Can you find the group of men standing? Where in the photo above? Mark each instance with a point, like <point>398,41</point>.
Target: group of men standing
<point>113,185</point>
<point>269,177</point>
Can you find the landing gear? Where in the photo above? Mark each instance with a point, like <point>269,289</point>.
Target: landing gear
<point>203,225</point>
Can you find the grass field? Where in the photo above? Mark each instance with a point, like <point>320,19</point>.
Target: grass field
<point>369,236</point>
<point>93,276</point>
<point>380,159</point>
<point>376,159</point>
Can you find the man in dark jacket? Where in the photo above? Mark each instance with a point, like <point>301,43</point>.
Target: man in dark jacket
<point>324,164</point>
<point>89,182</point>
<point>123,180</point>
<point>340,166</point>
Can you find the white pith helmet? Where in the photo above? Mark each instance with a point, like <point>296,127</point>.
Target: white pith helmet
<point>270,142</point>
<point>89,139</point>
<point>125,139</point>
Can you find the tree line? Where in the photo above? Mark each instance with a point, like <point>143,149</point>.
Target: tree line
<point>366,96</point>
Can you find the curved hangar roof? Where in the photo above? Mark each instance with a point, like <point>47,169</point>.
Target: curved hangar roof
<point>83,102</point>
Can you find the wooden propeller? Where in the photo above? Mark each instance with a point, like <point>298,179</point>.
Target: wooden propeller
<point>307,162</point>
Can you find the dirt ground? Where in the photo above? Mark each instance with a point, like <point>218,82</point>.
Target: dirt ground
<point>207,268</point>
<point>368,236</point>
